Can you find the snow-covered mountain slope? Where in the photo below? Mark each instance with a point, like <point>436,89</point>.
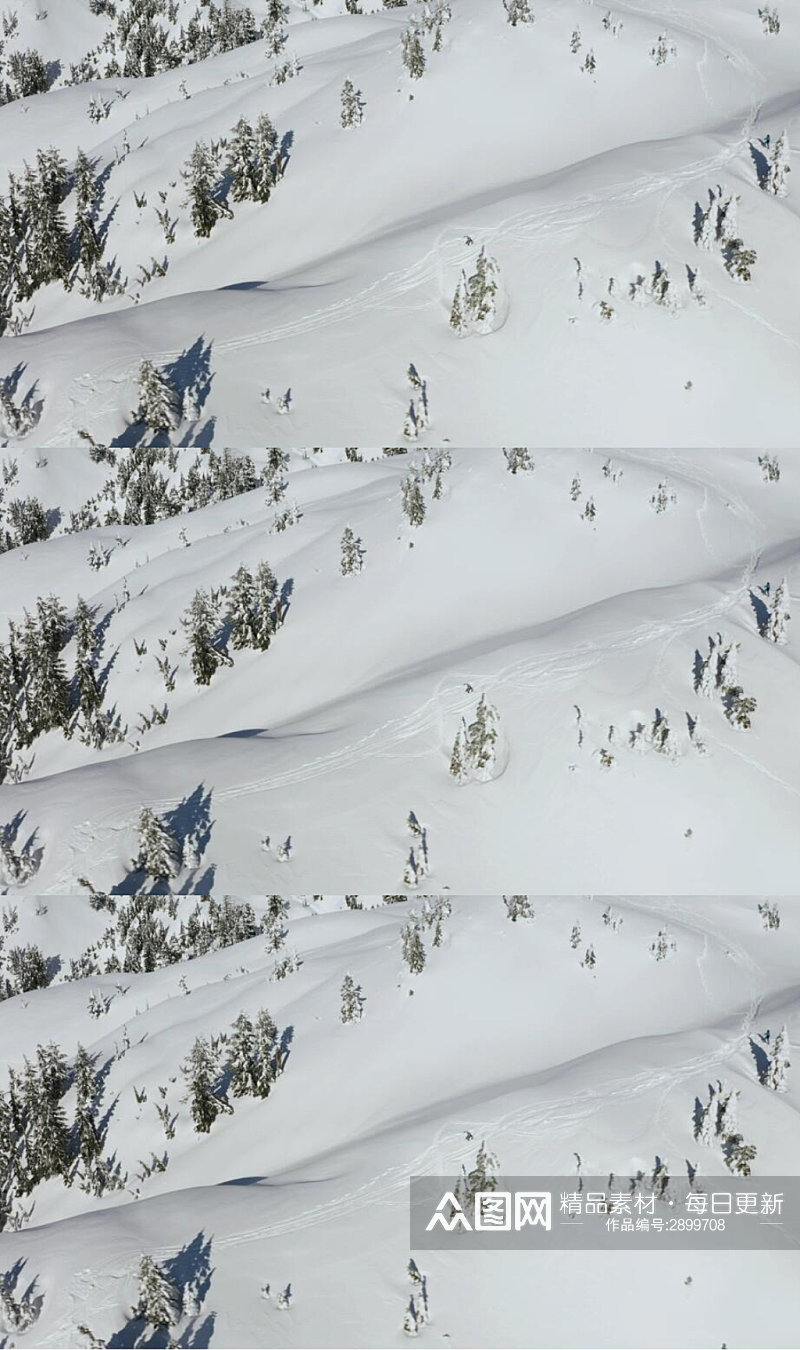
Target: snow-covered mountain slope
<point>584,182</point>
<point>510,1038</point>
<point>596,604</point>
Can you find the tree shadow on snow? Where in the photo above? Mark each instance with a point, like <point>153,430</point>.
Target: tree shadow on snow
<point>760,161</point>
<point>761,1058</point>
<point>190,1271</point>
<point>760,608</point>
<point>192,370</point>
<point>190,824</point>
<point>201,438</point>
<point>190,821</point>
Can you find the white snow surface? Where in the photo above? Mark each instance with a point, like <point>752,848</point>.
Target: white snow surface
<point>348,273</point>
<point>347,722</point>
<point>507,1038</point>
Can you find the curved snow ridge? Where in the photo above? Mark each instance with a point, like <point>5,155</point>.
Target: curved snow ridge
<point>121,780</point>
<point>330,296</point>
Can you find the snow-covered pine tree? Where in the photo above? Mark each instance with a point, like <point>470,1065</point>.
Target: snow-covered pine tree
<point>411,1323</point>
<point>519,460</point>
<point>352,113</point>
<point>241,162</point>
<point>90,1140</point>
<point>159,1300</point>
<point>159,404</point>
<point>268,1056</point>
<point>459,318</point>
<point>352,1009</point>
<point>242,612</point>
<point>776,1076</point>
<point>49,1137</point>
<point>200,623</point>
<point>779,167</point>
<point>268,164</point>
<point>770,914</point>
<point>352,560</point>
<point>413,948</point>
<point>48,242</point>
<point>201,1072</point>
<point>779,614</point>
<point>202,184</point>
<point>47,691</point>
<point>88,245</point>
<point>413,52</point>
<point>413,500</point>
<point>459,760</point>
<point>518,11</point>
<point>88,693</point>
<point>159,850</point>
<point>481,293</point>
<point>241,1059</point>
<point>518,907</point>
<point>481,747</point>
<point>269,614</point>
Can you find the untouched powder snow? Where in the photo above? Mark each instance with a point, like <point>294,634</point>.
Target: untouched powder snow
<point>511,1038</point>
<point>592,601</point>
<point>580,150</point>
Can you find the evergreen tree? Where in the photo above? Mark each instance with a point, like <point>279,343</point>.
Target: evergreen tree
<point>779,615</point>
<point>352,553</point>
<point>779,167</point>
<point>89,694</point>
<point>267,159</point>
<point>413,500</point>
<point>201,1072</point>
<point>519,460</point>
<point>518,11</point>
<point>200,176</point>
<point>159,851</point>
<point>268,615</point>
<point>200,623</point>
<point>481,293</point>
<point>352,114</point>
<point>48,685</point>
<point>267,1054</point>
<point>779,1063</point>
<point>352,1009</point>
<point>87,189</point>
<point>48,237</point>
<point>159,1301</point>
<point>413,948</point>
<point>242,162</point>
<point>45,1087</point>
<point>159,404</point>
<point>242,613</point>
<point>459,759</point>
<point>518,907</point>
<point>459,319</point>
<point>481,746</point>
<point>90,1141</point>
<point>413,53</point>
<point>242,1057</point>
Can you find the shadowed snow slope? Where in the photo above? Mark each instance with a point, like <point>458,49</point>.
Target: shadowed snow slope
<point>584,184</point>
<point>582,611</point>
<point>509,1038</point>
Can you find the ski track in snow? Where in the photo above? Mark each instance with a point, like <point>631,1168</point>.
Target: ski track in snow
<point>529,675</point>
<point>449,1149</point>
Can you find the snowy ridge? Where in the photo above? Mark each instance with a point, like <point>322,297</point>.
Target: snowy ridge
<point>310,1185</point>
<point>607,283</point>
<point>626,622</point>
